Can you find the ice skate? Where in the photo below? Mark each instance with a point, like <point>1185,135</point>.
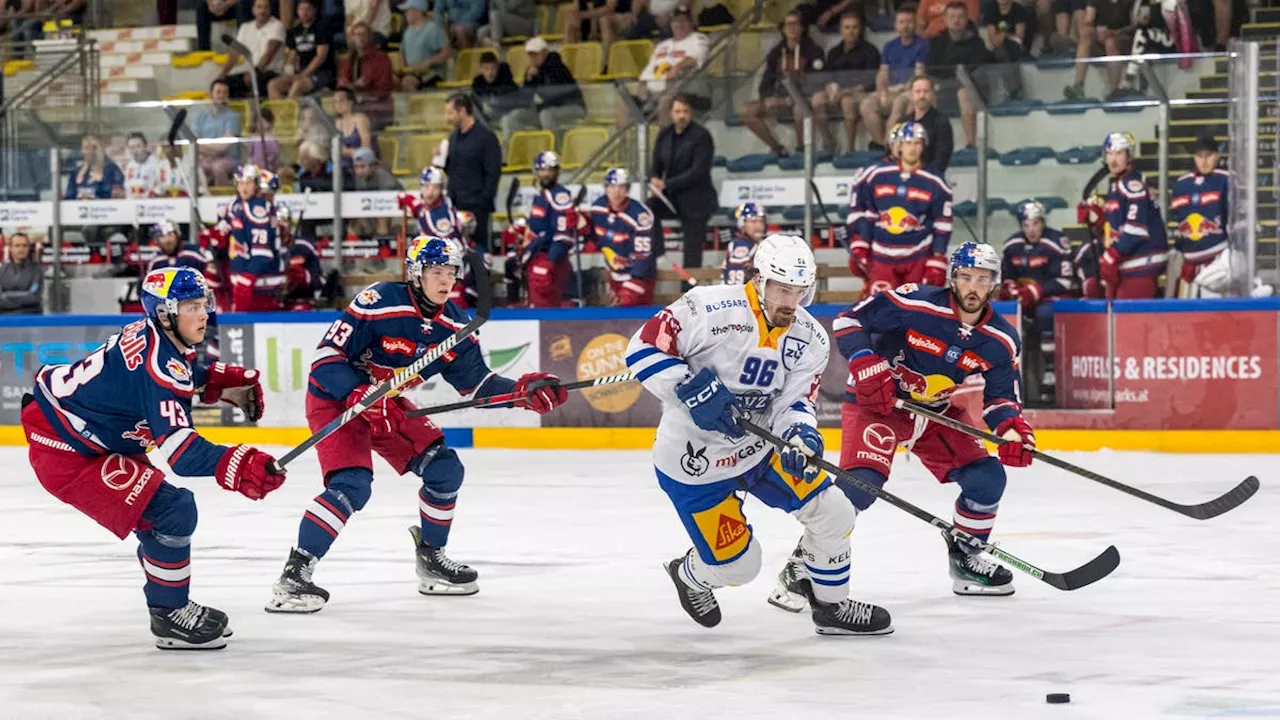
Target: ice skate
<point>787,594</point>
<point>974,574</point>
<point>437,574</point>
<point>700,604</point>
<point>850,617</point>
<point>191,627</point>
<point>294,592</point>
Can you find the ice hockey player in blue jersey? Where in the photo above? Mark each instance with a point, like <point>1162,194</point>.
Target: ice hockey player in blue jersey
<point>387,327</point>
<point>1037,266</point>
<point>553,231</point>
<point>1198,211</point>
<point>465,291</point>
<point>255,260</point>
<point>1136,244</point>
<point>304,276</point>
<point>90,424</point>
<point>725,352</point>
<point>171,252</point>
<point>433,212</point>
<point>623,229</point>
<point>752,224</point>
<point>919,343</point>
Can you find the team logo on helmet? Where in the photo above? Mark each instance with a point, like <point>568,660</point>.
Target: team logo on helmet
<point>1118,141</point>
<point>546,160</point>
<point>431,175</point>
<point>616,176</point>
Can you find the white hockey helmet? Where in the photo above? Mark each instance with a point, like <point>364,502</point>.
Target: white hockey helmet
<point>980,256</point>
<point>788,260</point>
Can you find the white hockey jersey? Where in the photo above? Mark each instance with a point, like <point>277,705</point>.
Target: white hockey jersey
<point>775,374</point>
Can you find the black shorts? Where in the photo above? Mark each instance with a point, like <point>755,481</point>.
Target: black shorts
<point>1067,7</point>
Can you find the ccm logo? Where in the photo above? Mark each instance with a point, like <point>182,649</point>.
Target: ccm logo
<point>924,343</point>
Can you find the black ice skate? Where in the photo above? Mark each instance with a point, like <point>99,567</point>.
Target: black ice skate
<point>294,592</point>
<point>850,617</point>
<point>974,574</point>
<point>437,574</point>
<point>788,595</point>
<point>700,604</point>
<point>192,627</point>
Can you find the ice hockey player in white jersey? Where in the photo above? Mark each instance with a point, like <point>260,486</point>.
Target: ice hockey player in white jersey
<point>752,351</point>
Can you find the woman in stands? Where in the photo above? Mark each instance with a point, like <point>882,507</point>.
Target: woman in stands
<point>353,126</point>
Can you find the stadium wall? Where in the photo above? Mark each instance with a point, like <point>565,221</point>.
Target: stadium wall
<point>1189,376</point>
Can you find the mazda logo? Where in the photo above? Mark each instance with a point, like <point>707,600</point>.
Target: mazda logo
<point>880,438</point>
<point>118,472</point>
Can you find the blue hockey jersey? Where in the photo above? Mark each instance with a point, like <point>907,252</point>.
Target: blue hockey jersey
<point>305,274</point>
<point>930,351</point>
<point>1046,262</point>
<point>625,239</point>
<point>187,256</point>
<point>131,394</point>
<point>383,330</point>
<point>1198,212</point>
<point>553,223</point>
<point>439,220</point>
<point>1135,227</point>
<point>253,246</point>
<point>902,216</point>
<point>737,259</point>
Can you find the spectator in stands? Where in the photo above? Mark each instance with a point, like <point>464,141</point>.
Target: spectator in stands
<point>474,165</point>
<point>507,18</point>
<point>464,18</point>
<point>795,55</point>
<point>932,15</point>
<point>21,279</point>
<point>681,54</point>
<point>367,72</point>
<point>264,149</point>
<point>901,59</point>
<point>1151,36</point>
<point>371,176</point>
<point>424,48</point>
<point>939,140</point>
<point>550,87</point>
<point>494,89</point>
<point>375,15</point>
<point>1009,27</point>
<point>210,11</point>
<point>601,20</point>
<point>311,55</point>
<point>826,15</point>
<point>680,178</point>
<point>353,126</point>
<point>97,177</point>
<point>142,172</point>
<point>216,121</point>
<point>316,170</point>
<point>959,46</point>
<point>1109,23</point>
<point>848,75</point>
<point>264,37</point>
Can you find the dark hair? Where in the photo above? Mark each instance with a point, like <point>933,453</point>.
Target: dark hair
<point>488,58</point>
<point>266,114</point>
<point>908,8</point>
<point>685,99</point>
<point>920,77</point>
<point>799,16</point>
<point>347,92</point>
<point>852,14</point>
<point>135,134</point>
<point>462,101</point>
<point>219,81</point>
<point>956,4</point>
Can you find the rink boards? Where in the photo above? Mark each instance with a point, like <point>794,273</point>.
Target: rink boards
<point>1185,376</point>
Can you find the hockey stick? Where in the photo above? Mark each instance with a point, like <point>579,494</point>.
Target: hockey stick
<point>1213,508</point>
<point>179,118</point>
<point>404,375</point>
<point>508,397</point>
<point>244,52</point>
<point>577,240</point>
<point>512,190</point>
<point>1086,574</point>
<point>684,274</point>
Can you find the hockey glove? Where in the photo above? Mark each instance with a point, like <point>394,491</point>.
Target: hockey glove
<point>237,386</point>
<point>539,392</point>
<point>860,258</point>
<point>248,471</point>
<point>384,416</point>
<point>935,271</point>
<point>874,385</point>
<point>805,442</point>
<point>1109,270</point>
<point>1018,453</point>
<point>407,202</point>
<point>1028,294</point>
<point>710,404</point>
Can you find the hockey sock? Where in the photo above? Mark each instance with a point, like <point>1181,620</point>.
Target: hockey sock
<point>436,512</point>
<point>164,548</point>
<point>441,472</point>
<point>981,487</point>
<point>828,522</point>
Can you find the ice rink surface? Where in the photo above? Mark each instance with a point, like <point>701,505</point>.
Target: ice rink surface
<point>575,618</point>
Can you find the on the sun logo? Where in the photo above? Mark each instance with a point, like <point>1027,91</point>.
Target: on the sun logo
<point>730,531</point>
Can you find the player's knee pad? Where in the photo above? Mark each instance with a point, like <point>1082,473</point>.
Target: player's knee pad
<point>739,571</point>
<point>440,469</point>
<point>861,499</point>
<point>354,485</point>
<point>981,482</point>
<point>829,516</point>
<point>173,516</point>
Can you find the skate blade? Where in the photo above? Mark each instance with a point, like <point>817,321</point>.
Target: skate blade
<point>288,604</point>
<point>968,589</point>
<point>175,644</point>
<point>824,630</point>
<point>784,599</point>
<point>444,587</point>
<point>226,632</point>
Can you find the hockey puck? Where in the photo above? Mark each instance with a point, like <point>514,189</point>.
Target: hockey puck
<point>1057,698</point>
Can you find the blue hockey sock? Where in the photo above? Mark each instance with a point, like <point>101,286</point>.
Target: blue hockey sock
<point>324,519</point>
<point>436,514</point>
<point>164,548</point>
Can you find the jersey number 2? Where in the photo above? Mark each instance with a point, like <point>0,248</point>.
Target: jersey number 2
<point>758,372</point>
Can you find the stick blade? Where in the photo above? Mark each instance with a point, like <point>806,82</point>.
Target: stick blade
<point>1232,499</point>
<point>179,118</point>
<point>1088,573</point>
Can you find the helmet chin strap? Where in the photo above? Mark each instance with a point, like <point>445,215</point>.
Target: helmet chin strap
<point>170,326</point>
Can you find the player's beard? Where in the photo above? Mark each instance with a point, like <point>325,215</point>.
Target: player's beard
<point>780,317</point>
<point>971,302</point>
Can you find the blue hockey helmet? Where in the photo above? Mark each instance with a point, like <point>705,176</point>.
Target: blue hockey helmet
<point>248,171</point>
<point>268,181</point>
<point>162,228</point>
<point>976,255</point>
<point>546,160</point>
<point>905,131</point>
<point>163,290</point>
<point>428,250</point>
<point>616,176</point>
<point>467,223</point>
<point>746,211</point>
<point>1118,141</point>
<point>1030,210</point>
<point>432,175</point>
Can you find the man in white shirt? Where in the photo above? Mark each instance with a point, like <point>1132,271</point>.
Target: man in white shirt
<point>142,173</point>
<point>681,54</point>
<point>264,37</point>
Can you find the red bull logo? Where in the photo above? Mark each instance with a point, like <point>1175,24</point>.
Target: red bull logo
<point>140,434</point>
<point>896,221</point>
<point>1196,227</point>
<point>923,388</point>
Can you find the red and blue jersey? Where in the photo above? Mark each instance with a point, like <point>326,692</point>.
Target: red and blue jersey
<point>384,330</point>
<point>930,352</point>
<point>253,244</point>
<point>130,395</point>
<point>625,238</point>
<point>1198,212</point>
<point>1045,262</point>
<point>553,224</point>
<point>439,219</point>
<point>901,216</point>
<point>1135,227</point>
<point>737,259</point>
<point>305,275</point>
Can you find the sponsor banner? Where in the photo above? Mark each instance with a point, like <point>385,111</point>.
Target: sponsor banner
<point>318,206</point>
<point>835,189</point>
<point>155,210</point>
<point>26,214</point>
<point>23,350</point>
<point>96,212</point>
<point>587,349</point>
<point>1171,370</point>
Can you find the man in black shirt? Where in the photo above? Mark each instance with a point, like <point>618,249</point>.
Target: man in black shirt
<point>849,74</point>
<point>1109,23</point>
<point>495,89</point>
<point>549,86</point>
<point>474,164</point>
<point>1008,26</point>
<point>311,51</point>
<point>681,175</point>
<point>937,127</point>
<point>958,45</point>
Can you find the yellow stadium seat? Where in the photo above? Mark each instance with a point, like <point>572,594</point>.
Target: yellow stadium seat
<point>579,143</point>
<point>222,189</point>
<point>547,22</point>
<point>600,98</point>
<point>397,62</point>
<point>286,116</point>
<point>583,59</point>
<point>188,95</point>
<point>420,150</point>
<point>466,64</point>
<point>524,146</point>
<point>750,54</point>
<point>427,110</point>
<point>389,149</point>
<point>628,58</point>
<point>518,60</point>
<point>246,115</point>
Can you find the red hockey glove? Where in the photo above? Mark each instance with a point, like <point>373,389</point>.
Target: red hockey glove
<point>1109,269</point>
<point>873,383</point>
<point>1016,454</point>
<point>935,271</point>
<point>383,417</point>
<point>407,202</point>
<point>539,392</point>
<point>1189,271</point>
<point>248,471</point>
<point>1008,290</point>
<point>1090,289</point>
<point>237,386</point>
<point>860,258</point>
<point>1029,294</point>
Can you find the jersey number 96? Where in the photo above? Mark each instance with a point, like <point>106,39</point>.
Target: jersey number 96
<point>758,372</point>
